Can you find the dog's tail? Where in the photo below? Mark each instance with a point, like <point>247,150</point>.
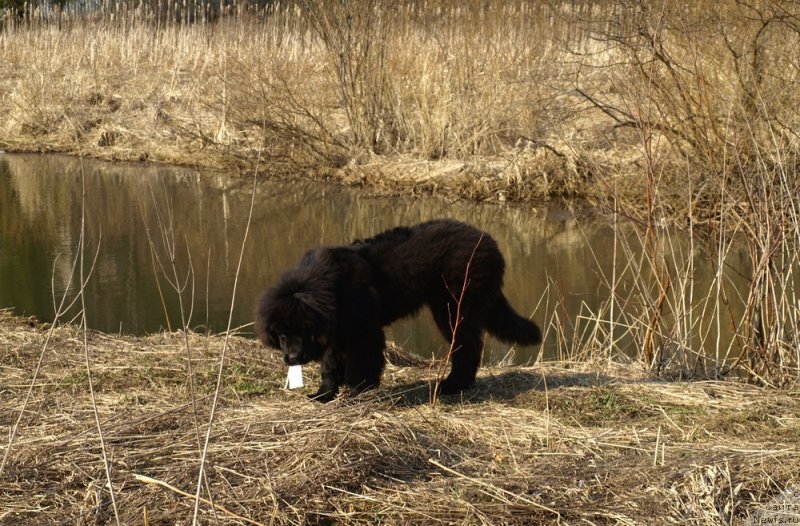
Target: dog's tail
<point>510,327</point>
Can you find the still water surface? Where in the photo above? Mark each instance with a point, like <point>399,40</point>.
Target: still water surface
<point>132,209</point>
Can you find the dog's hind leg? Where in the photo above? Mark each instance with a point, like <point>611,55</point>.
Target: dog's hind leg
<point>465,357</point>
<point>466,344</point>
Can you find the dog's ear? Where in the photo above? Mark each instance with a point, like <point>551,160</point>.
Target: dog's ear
<point>304,297</point>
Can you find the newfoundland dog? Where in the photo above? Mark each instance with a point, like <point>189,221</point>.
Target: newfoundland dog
<point>333,305</point>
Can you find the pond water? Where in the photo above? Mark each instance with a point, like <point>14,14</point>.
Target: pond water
<point>131,209</point>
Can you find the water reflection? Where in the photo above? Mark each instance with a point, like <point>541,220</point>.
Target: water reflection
<point>131,208</point>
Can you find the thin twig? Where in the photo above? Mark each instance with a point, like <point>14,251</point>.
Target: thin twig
<point>87,357</point>
<point>218,386</point>
<point>455,323</point>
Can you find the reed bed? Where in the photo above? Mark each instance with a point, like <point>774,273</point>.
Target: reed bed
<point>568,443</point>
<point>669,105</point>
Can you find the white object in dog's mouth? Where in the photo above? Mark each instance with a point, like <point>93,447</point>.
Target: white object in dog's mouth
<point>294,379</point>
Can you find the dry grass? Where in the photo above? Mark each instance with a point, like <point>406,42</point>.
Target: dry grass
<point>593,443</point>
<point>668,114</point>
<point>670,109</point>
<point>406,92</point>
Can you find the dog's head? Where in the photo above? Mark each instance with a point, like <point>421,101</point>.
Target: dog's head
<point>297,350</point>
<point>297,319</point>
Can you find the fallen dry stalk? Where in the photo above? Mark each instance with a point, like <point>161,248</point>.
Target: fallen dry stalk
<point>495,490</point>
<point>150,480</point>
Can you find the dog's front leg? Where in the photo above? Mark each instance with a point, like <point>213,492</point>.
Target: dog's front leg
<point>363,368</point>
<point>332,377</point>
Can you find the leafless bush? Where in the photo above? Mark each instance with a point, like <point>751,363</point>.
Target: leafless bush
<point>715,87</point>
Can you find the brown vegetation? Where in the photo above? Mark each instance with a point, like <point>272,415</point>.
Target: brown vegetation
<point>678,110</point>
<point>663,113</point>
<point>573,442</point>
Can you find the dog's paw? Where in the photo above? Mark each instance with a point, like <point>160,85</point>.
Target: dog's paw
<point>323,396</point>
<point>452,386</point>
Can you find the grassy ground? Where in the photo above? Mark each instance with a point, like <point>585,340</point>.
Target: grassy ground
<point>587,443</point>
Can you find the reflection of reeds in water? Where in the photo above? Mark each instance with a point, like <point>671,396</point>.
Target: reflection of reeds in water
<point>741,318</point>
<point>672,300</point>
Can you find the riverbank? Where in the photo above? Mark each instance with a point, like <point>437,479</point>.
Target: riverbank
<point>266,90</point>
<point>656,113</point>
<point>572,442</point>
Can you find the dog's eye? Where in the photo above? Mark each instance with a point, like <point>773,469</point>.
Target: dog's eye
<point>282,340</point>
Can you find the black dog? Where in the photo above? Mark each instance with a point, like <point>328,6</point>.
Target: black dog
<point>333,305</point>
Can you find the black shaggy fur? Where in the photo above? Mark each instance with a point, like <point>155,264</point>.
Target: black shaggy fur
<point>333,305</point>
